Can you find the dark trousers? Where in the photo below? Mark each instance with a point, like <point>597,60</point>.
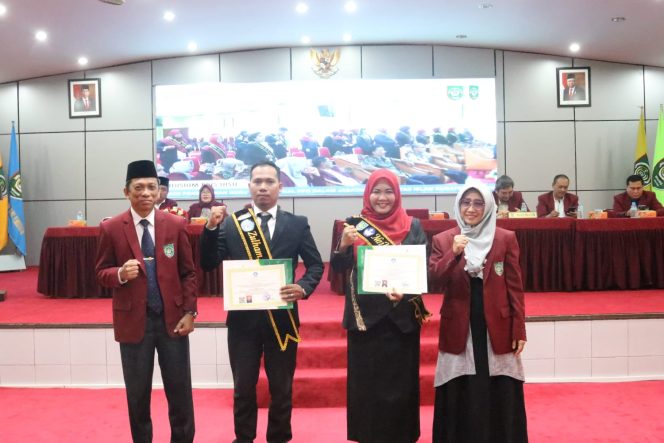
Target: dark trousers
<point>137,367</point>
<point>245,348</point>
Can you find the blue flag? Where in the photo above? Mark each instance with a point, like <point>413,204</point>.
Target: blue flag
<point>16,217</point>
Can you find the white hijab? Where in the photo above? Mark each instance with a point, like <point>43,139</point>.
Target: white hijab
<point>480,236</point>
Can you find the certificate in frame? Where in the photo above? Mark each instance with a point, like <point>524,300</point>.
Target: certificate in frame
<point>399,268</point>
<point>254,284</point>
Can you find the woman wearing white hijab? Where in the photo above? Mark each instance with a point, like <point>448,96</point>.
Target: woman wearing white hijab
<point>479,375</point>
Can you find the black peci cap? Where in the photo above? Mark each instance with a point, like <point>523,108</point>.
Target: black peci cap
<point>141,169</point>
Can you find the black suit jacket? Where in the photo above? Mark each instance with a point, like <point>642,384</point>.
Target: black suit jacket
<point>291,239</point>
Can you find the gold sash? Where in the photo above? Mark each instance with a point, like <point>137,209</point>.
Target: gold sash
<point>372,235</point>
<point>257,248</point>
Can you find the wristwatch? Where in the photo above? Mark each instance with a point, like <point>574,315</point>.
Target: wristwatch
<point>192,313</point>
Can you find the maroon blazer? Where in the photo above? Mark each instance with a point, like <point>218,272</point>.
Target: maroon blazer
<point>514,203</point>
<point>503,292</point>
<point>545,203</point>
<point>167,204</point>
<point>623,202</point>
<point>176,273</point>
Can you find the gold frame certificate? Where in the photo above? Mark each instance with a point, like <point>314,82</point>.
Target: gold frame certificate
<point>255,284</point>
<point>401,268</point>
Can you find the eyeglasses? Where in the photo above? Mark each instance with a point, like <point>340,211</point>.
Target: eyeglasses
<point>477,204</point>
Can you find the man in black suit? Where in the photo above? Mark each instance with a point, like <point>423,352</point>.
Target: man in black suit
<point>85,102</point>
<point>572,91</point>
<point>252,333</point>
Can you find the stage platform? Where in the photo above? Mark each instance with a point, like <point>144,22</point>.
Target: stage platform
<point>572,336</point>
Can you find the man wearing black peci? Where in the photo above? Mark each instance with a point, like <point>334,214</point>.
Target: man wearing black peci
<point>273,332</point>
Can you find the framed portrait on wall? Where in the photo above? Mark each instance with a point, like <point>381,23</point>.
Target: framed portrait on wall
<point>573,86</point>
<point>84,97</point>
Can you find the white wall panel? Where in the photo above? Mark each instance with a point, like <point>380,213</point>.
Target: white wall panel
<point>265,65</point>
<point>460,62</point>
<point>126,97</point>
<point>605,153</point>
<point>530,87</point>
<point>8,107</point>
<point>44,105</point>
<point>654,91</point>
<point>52,166</point>
<point>108,154</point>
<point>616,91</point>
<point>186,70</point>
<point>398,61</point>
<point>538,151</point>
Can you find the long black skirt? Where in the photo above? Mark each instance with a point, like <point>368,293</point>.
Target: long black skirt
<point>479,408</point>
<point>383,385</point>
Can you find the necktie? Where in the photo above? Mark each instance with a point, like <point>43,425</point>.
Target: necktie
<point>85,103</point>
<point>155,304</point>
<point>265,216</point>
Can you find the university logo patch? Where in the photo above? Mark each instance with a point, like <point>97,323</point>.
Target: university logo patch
<point>247,225</point>
<point>169,250</point>
<point>498,267</point>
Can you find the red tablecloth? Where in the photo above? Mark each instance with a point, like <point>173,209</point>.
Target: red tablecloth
<point>619,253</point>
<point>67,262</point>
<point>546,252</point>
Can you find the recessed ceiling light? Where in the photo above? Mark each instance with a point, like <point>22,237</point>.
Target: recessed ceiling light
<point>574,47</point>
<point>192,46</point>
<point>350,6</point>
<point>485,6</point>
<point>461,36</point>
<point>305,40</point>
<point>169,16</point>
<point>618,19</point>
<point>301,8</point>
<point>41,36</point>
<point>3,9</point>
<point>82,61</point>
<point>347,37</point>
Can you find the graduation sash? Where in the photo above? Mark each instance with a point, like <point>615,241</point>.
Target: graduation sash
<point>372,235</point>
<point>257,248</point>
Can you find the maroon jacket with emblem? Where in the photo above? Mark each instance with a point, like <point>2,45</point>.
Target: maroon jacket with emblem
<point>545,203</point>
<point>514,203</point>
<point>623,202</point>
<point>176,274</point>
<point>503,292</point>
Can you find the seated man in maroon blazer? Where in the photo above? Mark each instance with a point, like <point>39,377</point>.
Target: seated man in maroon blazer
<point>163,202</point>
<point>635,193</point>
<point>507,199</point>
<point>559,202</point>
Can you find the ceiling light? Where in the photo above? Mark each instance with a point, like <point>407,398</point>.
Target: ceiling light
<point>350,6</point>
<point>485,6</point>
<point>82,61</point>
<point>3,9</point>
<point>41,36</point>
<point>347,37</point>
<point>461,36</point>
<point>574,47</point>
<point>192,46</point>
<point>169,16</point>
<point>305,40</point>
<point>618,19</point>
<point>113,2</point>
<point>301,8</point>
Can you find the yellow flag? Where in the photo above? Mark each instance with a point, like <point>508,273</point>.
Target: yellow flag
<point>3,207</point>
<point>641,163</point>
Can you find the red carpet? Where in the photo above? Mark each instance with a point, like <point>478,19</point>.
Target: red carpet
<point>557,413</point>
<point>25,305</point>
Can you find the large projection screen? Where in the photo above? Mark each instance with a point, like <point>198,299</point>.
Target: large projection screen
<point>327,136</point>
